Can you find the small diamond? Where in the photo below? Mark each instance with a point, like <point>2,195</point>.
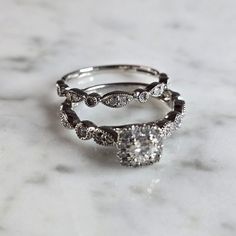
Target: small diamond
<point>143,96</point>
<point>157,90</point>
<point>84,131</point>
<point>92,99</point>
<point>139,145</point>
<point>104,136</point>
<point>112,101</point>
<point>172,125</point>
<point>116,99</point>
<point>178,121</point>
<point>168,129</point>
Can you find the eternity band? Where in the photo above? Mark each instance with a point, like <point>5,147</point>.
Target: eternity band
<point>137,144</point>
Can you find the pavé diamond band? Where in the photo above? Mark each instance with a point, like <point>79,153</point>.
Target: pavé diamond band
<point>137,144</point>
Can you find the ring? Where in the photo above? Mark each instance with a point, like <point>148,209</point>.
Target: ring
<point>138,144</point>
<point>119,98</point>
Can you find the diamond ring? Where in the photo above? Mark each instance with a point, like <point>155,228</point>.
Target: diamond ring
<point>118,99</point>
<point>137,144</point>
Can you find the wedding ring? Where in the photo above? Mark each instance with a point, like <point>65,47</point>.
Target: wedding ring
<point>137,144</point>
<point>119,98</point>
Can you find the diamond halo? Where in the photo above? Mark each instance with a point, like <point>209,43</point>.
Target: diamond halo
<point>139,145</point>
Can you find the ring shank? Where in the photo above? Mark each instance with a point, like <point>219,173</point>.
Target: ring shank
<point>87,71</point>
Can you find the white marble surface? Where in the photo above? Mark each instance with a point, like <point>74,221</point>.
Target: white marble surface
<point>53,184</point>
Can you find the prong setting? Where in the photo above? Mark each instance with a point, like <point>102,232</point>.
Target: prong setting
<point>139,145</point>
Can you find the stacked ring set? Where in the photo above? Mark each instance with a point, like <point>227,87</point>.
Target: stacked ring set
<point>138,144</point>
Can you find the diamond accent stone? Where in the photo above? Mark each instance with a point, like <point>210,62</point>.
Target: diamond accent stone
<point>84,130</point>
<point>92,99</point>
<point>158,90</point>
<point>117,99</point>
<point>105,136</point>
<point>143,96</point>
<point>139,145</point>
<point>171,126</point>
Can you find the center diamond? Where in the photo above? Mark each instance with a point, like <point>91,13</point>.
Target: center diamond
<point>139,145</point>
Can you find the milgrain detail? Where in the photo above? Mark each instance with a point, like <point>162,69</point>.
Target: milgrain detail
<point>137,144</point>
<point>85,129</point>
<point>75,95</point>
<point>117,99</point>
<point>114,99</point>
<point>92,99</point>
<point>64,169</point>
<point>105,136</point>
<point>68,118</point>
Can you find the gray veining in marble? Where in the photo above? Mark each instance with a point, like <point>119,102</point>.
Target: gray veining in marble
<point>53,184</point>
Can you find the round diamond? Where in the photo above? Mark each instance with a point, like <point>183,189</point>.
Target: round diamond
<point>139,145</point>
<point>143,96</point>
